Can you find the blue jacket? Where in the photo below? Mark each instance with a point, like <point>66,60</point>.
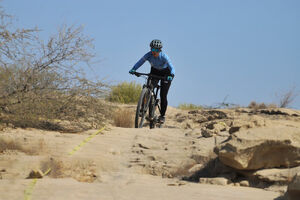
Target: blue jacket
<point>161,62</point>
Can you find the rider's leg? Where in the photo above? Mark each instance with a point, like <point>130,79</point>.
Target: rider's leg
<point>165,85</point>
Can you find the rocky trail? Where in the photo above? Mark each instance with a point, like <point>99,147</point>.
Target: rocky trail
<point>184,160</point>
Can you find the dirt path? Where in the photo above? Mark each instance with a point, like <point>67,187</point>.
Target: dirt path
<point>122,161</point>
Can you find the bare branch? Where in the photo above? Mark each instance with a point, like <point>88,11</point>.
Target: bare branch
<point>287,98</point>
<point>45,79</point>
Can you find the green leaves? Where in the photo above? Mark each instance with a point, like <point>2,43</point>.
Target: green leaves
<point>125,92</point>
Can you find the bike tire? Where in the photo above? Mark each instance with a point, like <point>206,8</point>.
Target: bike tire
<point>152,113</point>
<point>142,107</point>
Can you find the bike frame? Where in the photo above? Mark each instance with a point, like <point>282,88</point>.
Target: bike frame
<point>153,88</point>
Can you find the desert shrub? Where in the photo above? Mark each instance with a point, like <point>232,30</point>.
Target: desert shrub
<point>287,98</point>
<point>81,170</point>
<point>125,92</point>
<point>56,167</point>
<point>7,144</point>
<point>57,113</point>
<point>272,105</point>
<point>124,118</point>
<point>42,82</point>
<point>254,105</point>
<point>189,106</point>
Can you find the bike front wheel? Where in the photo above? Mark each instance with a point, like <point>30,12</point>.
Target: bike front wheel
<point>142,108</point>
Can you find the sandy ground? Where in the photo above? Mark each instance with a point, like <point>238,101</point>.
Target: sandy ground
<point>121,161</point>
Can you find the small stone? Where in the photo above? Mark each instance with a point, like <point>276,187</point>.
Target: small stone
<point>188,126</point>
<point>195,168</point>
<point>207,133</point>
<point>210,125</point>
<point>194,132</point>
<point>10,125</point>
<point>89,173</point>
<point>221,126</point>
<point>214,181</point>
<point>244,183</point>
<point>234,129</point>
<point>35,174</point>
<point>152,158</point>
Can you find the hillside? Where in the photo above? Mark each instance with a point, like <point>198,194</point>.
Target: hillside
<point>199,154</point>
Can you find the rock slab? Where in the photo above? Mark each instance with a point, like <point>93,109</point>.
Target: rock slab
<point>263,147</point>
<point>293,191</point>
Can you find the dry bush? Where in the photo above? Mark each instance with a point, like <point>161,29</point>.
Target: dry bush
<point>41,82</point>
<point>82,171</point>
<point>225,104</point>
<point>287,98</point>
<point>57,113</point>
<point>272,105</point>
<point>124,118</point>
<point>15,145</point>
<point>56,167</point>
<point>189,106</point>
<point>10,144</point>
<point>255,106</point>
<point>37,147</point>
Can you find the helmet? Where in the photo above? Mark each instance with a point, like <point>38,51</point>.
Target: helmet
<point>157,44</point>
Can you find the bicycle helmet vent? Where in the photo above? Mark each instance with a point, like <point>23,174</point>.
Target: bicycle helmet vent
<point>157,44</point>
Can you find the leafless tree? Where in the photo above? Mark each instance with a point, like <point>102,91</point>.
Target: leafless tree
<point>46,78</point>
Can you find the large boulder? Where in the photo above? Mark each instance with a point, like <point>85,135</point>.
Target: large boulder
<point>262,147</point>
<point>293,190</point>
<point>276,175</point>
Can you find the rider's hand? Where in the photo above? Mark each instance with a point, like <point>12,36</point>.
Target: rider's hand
<point>132,71</point>
<point>170,78</point>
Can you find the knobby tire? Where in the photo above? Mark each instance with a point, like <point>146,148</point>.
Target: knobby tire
<point>141,108</point>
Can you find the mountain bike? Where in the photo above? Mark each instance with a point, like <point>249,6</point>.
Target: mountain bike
<point>148,101</point>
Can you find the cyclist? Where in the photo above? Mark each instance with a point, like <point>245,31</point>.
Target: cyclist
<point>160,66</point>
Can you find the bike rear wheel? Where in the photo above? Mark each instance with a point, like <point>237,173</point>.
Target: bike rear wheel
<point>142,108</point>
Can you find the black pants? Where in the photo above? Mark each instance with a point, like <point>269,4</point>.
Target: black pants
<point>165,85</point>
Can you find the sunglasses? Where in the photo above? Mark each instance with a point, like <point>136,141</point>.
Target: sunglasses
<point>155,50</point>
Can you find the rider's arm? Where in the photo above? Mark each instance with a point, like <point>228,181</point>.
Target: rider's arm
<point>169,65</point>
<point>141,61</point>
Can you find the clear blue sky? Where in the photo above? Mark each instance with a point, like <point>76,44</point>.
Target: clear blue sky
<point>246,49</point>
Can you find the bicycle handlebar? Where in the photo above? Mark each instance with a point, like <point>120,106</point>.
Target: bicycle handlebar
<point>150,75</point>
